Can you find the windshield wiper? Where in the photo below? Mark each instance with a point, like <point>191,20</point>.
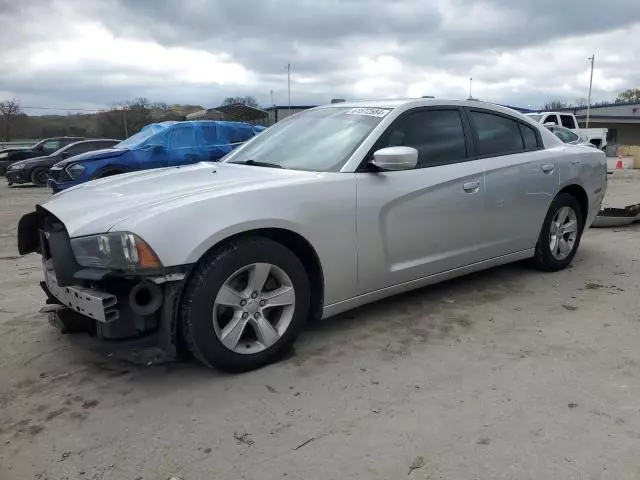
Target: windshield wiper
<point>254,163</point>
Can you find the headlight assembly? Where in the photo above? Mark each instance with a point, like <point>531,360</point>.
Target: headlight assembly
<point>16,166</point>
<point>75,170</point>
<point>117,251</point>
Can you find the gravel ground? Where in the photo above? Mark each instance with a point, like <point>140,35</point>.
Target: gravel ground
<point>505,374</point>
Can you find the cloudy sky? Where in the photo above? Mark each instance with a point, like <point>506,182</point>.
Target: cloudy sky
<point>89,54</point>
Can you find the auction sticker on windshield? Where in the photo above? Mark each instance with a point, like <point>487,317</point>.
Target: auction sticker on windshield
<point>368,112</point>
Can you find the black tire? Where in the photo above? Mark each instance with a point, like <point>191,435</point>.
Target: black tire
<point>544,259</point>
<point>39,176</point>
<point>201,290</point>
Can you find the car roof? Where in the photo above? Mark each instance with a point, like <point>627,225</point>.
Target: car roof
<point>88,140</point>
<point>407,103</point>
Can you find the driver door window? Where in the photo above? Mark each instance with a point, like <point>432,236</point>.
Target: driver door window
<point>438,135</point>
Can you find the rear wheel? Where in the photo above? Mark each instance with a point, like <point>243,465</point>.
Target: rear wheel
<point>245,305</point>
<point>39,176</point>
<point>560,235</point>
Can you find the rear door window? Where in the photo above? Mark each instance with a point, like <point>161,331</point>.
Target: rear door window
<point>209,135</point>
<point>567,121</point>
<point>496,134</point>
<point>551,119</point>
<point>77,149</point>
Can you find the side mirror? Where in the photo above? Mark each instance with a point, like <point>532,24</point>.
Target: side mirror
<point>395,158</point>
<point>64,154</point>
<point>155,148</point>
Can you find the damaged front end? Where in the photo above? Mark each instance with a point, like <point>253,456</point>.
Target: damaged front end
<point>110,285</point>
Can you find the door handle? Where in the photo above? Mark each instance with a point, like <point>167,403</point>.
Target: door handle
<point>548,169</point>
<point>575,162</point>
<point>471,187</point>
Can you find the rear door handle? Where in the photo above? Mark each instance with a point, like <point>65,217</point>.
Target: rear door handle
<point>575,162</point>
<point>471,187</point>
<point>548,168</point>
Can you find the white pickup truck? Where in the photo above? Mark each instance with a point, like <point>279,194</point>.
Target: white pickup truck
<point>596,136</point>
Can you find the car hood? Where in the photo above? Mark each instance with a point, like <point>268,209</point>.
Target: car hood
<point>30,162</point>
<point>95,207</point>
<point>93,155</point>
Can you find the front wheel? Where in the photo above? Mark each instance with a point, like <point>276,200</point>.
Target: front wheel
<point>245,305</point>
<point>560,235</point>
<point>39,176</point>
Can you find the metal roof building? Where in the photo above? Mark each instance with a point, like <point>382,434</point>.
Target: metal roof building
<point>622,120</point>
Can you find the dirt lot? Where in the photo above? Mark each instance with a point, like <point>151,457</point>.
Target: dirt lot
<point>506,374</point>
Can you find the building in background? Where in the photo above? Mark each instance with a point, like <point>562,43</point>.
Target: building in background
<point>622,120</point>
<point>278,112</point>
<point>236,112</point>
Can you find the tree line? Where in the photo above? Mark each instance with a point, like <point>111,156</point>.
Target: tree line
<point>128,117</point>
<point>627,96</point>
<point>120,121</point>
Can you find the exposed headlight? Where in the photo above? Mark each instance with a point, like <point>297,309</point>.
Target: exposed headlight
<point>75,170</point>
<point>4,155</point>
<point>16,166</point>
<point>117,251</point>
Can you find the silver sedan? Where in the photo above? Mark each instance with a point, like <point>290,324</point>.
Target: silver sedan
<point>327,210</point>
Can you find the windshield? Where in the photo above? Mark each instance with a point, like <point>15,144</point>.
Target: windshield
<point>137,140</point>
<point>315,140</point>
<point>534,116</point>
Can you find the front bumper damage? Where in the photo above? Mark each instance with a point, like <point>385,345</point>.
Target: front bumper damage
<point>114,306</point>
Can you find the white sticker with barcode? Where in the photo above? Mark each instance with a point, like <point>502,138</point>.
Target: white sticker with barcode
<point>368,112</point>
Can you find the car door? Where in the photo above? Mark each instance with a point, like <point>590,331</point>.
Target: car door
<point>416,223</point>
<point>521,179</point>
<point>182,145</point>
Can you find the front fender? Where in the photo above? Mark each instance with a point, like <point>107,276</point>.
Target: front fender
<point>243,227</point>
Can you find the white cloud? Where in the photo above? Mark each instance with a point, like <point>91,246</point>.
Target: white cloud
<point>93,52</point>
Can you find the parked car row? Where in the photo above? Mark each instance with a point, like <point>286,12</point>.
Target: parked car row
<point>595,136</point>
<point>44,147</point>
<point>36,170</point>
<point>156,145</point>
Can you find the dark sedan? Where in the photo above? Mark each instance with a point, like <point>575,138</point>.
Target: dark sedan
<point>36,170</point>
<point>40,149</point>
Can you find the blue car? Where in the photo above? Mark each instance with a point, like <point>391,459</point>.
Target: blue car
<point>157,145</point>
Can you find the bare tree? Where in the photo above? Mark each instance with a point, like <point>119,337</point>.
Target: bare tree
<point>249,101</point>
<point>9,110</point>
<point>582,101</point>
<point>554,105</point>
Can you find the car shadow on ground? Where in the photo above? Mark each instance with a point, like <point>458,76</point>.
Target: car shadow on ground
<point>21,186</point>
<point>433,311</point>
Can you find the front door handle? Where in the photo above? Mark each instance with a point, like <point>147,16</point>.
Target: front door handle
<point>471,187</point>
<point>548,169</point>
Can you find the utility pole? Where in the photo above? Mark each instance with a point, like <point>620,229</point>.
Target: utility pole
<point>273,103</point>
<point>124,119</point>
<point>470,85</point>
<point>289,85</point>
<point>592,58</point>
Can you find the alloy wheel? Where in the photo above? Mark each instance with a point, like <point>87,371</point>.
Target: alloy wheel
<point>253,308</point>
<point>563,233</point>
